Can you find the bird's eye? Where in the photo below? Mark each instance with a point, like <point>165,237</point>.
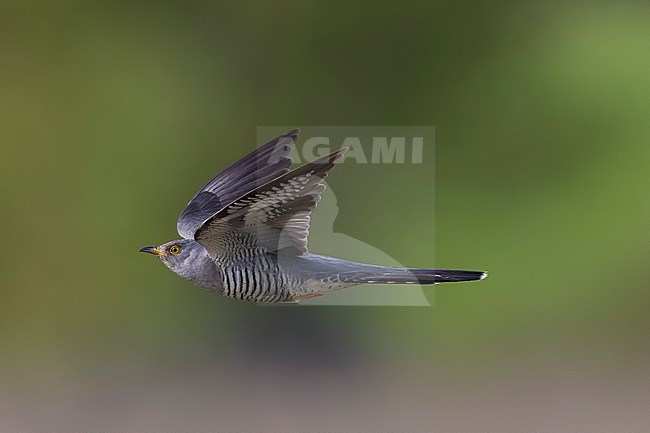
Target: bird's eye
<point>174,249</point>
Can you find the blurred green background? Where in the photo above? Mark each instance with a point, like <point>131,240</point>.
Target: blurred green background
<point>113,114</point>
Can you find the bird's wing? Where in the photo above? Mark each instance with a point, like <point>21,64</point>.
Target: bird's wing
<point>264,164</point>
<point>274,216</point>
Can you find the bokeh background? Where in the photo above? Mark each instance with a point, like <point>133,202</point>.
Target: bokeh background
<point>112,114</point>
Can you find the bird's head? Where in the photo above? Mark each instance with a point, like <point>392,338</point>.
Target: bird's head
<point>190,260</point>
<point>178,255</point>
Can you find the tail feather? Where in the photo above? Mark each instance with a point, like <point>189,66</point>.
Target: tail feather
<point>412,276</point>
<point>433,276</point>
<point>347,272</point>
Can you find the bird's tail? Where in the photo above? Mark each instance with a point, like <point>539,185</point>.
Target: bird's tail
<point>384,275</point>
<point>343,271</point>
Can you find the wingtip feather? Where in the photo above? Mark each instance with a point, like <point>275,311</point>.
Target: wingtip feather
<point>294,133</point>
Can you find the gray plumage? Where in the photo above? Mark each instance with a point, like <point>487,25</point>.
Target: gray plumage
<point>245,234</point>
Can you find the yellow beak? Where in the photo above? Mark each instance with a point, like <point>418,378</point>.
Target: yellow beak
<point>153,250</point>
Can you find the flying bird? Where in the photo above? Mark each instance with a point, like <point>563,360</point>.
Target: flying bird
<point>245,234</point>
